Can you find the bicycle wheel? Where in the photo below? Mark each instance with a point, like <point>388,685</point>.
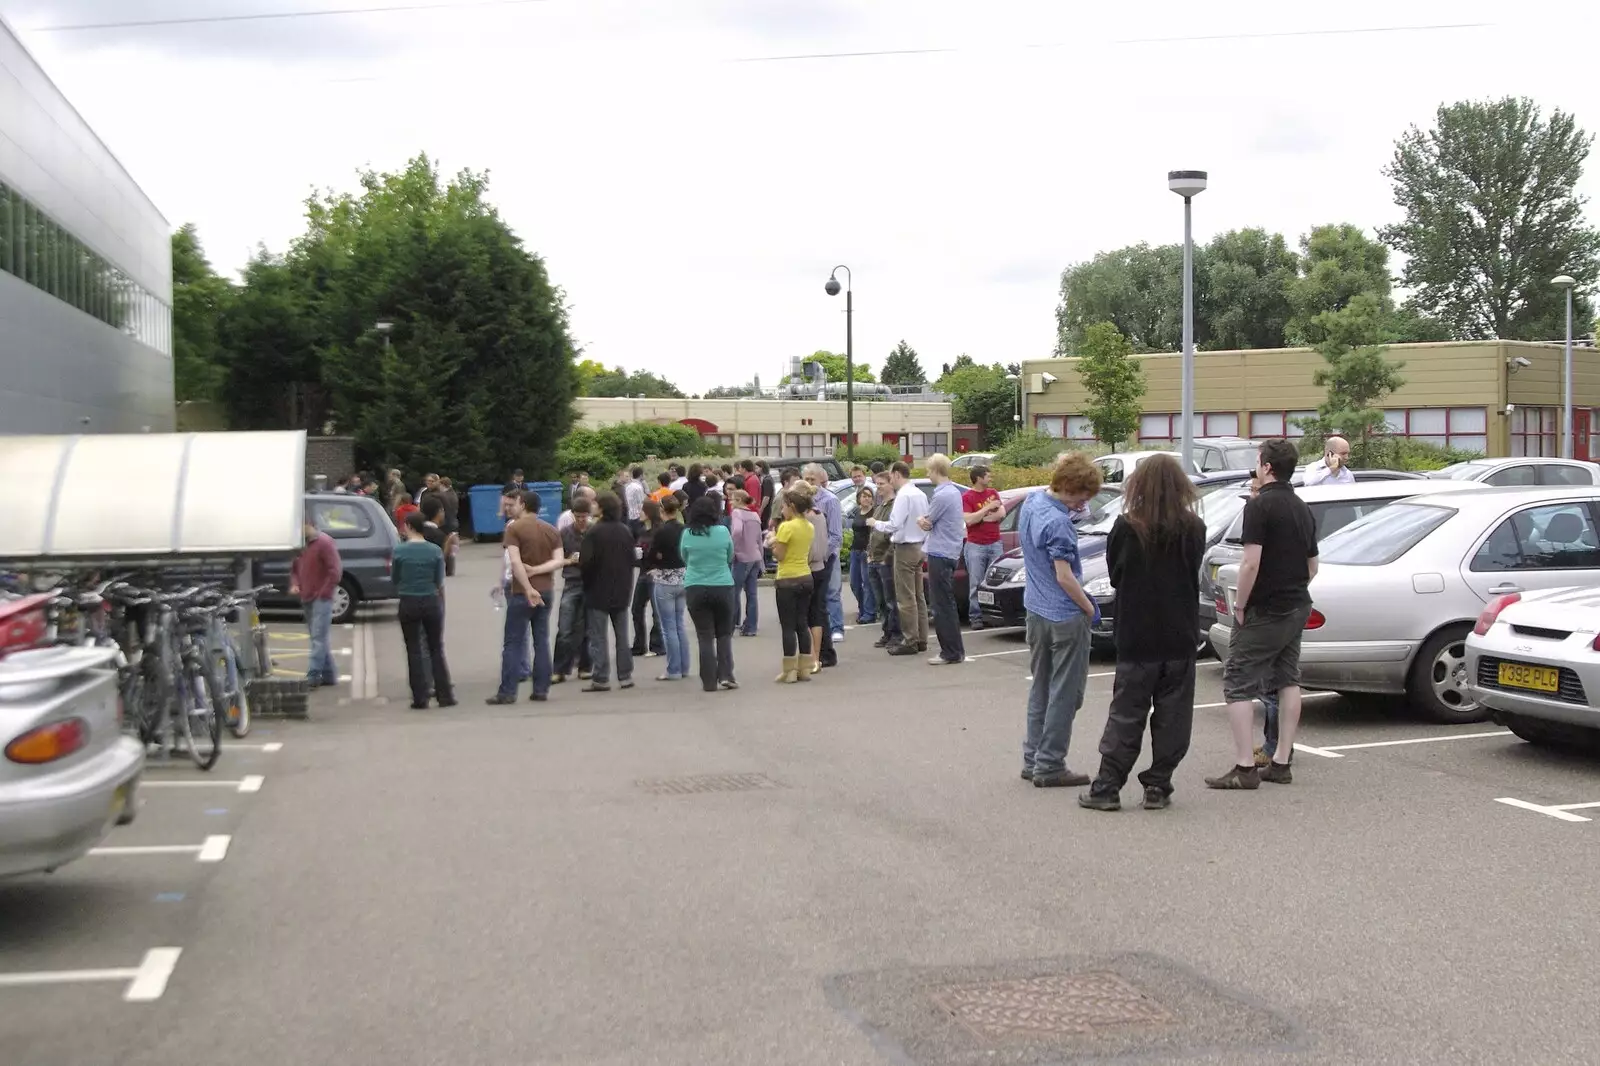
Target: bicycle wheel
<point>200,715</point>
<point>156,698</point>
<point>236,694</point>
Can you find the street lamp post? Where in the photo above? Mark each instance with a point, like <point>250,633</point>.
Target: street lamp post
<point>832,289</point>
<point>1566,281</point>
<point>1187,184</point>
<point>1016,403</point>
<point>384,328</point>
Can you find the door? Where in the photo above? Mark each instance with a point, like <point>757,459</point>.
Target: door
<point>1544,546</point>
<point>1580,433</point>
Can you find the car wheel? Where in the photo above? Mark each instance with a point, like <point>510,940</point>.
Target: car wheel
<point>1438,686</point>
<point>1549,734</point>
<point>345,598</point>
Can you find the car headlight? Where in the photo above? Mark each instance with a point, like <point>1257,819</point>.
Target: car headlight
<point>1018,576</point>
<point>1099,586</point>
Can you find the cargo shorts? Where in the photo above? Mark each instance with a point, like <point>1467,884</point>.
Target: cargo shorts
<point>1264,655</point>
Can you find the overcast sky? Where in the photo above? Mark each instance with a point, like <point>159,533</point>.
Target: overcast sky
<point>690,189</point>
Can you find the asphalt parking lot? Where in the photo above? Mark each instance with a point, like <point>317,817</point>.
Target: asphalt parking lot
<point>844,872</point>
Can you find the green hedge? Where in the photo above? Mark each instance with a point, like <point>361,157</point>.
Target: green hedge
<point>604,451</point>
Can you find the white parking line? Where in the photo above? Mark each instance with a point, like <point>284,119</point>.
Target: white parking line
<point>269,747</point>
<point>1560,812</point>
<point>214,849</point>
<point>146,982</point>
<point>248,783</point>
<point>1418,740</point>
<point>992,654</point>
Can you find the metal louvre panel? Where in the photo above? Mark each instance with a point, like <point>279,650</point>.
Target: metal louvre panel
<point>123,496</point>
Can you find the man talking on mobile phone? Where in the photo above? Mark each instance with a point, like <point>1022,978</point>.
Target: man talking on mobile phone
<point>1334,466</point>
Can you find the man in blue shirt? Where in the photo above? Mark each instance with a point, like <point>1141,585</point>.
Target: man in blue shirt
<point>947,532</point>
<point>828,506</point>
<point>1060,616</point>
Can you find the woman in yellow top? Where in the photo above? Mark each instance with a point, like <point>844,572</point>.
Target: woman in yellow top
<point>791,546</point>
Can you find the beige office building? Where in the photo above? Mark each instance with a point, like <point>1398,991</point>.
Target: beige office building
<point>787,427</point>
<point>1495,397</point>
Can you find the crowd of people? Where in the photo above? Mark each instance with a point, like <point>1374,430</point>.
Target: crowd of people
<point>696,546</point>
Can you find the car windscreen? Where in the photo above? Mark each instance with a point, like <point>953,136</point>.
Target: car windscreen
<point>1461,472</point>
<point>1220,509</point>
<point>1102,523</point>
<point>1243,457</point>
<point>1384,535</point>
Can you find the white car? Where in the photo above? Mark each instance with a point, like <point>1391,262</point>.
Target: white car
<point>1115,468</point>
<point>971,459</point>
<point>1534,661</point>
<point>1523,471</point>
<point>1398,590</point>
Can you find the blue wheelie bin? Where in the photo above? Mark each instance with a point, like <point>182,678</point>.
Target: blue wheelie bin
<point>549,499</point>
<point>484,501</point>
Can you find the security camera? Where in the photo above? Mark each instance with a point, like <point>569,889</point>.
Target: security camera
<point>1510,407</point>
<point>1521,361</point>
<point>1049,379</point>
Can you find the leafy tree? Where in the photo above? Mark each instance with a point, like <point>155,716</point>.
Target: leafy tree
<point>1138,289</point>
<point>903,367</point>
<point>604,451</point>
<point>833,366</point>
<point>586,371</point>
<point>980,395</point>
<point>1241,290</point>
<point>1358,375</point>
<point>618,382</point>
<point>199,296</point>
<point>732,392</point>
<point>1492,213</point>
<point>1338,263</point>
<point>1114,382</point>
<point>477,376</point>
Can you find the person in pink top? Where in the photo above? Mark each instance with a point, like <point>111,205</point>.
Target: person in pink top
<point>313,576</point>
<point>747,561</point>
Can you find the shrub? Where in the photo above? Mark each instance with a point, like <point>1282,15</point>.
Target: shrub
<point>1388,453</point>
<point>867,454</point>
<point>604,451</point>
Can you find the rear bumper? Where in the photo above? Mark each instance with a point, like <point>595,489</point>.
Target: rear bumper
<point>1499,702</point>
<point>1378,667</point>
<point>48,821</point>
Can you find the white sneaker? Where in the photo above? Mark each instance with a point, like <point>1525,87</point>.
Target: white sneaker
<point>838,637</point>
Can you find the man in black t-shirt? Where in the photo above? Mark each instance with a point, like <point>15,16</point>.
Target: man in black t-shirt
<point>1271,607</point>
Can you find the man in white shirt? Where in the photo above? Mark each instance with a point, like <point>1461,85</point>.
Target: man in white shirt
<point>579,492</point>
<point>1334,466</point>
<point>907,535</point>
<point>633,496</point>
<point>680,478</point>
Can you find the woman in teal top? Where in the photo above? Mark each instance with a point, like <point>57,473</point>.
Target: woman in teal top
<point>418,573</point>
<point>707,551</point>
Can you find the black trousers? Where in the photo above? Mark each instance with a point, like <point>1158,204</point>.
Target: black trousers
<point>819,614</point>
<point>711,610</point>
<point>1168,687</point>
<point>794,615</point>
<point>643,587</point>
<point>422,625</point>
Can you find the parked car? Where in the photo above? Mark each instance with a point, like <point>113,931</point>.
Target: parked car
<point>1523,470</point>
<point>68,772</point>
<point>366,537</point>
<point>1115,468</point>
<point>1333,507</point>
<point>968,459</point>
<point>834,469</point>
<point>1398,590</point>
<point>1001,596</point>
<point>1012,499</point>
<point>1213,455</point>
<point>1534,661</point>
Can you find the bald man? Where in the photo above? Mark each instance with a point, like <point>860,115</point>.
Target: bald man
<point>1334,466</point>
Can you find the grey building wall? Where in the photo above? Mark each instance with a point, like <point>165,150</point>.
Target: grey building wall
<point>59,364</point>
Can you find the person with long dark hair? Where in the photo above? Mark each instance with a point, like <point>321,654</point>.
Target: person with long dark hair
<point>644,585</point>
<point>1153,555</point>
<point>695,486</point>
<point>790,544</point>
<point>418,571</point>
<point>667,591</point>
<point>707,551</point>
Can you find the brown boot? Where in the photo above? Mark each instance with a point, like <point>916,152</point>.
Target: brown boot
<point>787,676</point>
<point>806,668</point>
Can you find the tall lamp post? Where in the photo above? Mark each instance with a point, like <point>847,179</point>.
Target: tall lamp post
<point>1016,404</point>
<point>1187,184</point>
<point>1566,281</point>
<point>384,328</point>
<point>832,289</point>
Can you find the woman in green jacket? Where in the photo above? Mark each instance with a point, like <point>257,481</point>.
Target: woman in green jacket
<point>707,552</point>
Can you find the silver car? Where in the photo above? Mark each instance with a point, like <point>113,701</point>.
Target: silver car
<point>1525,471</point>
<point>1534,661</point>
<point>67,773</point>
<point>1397,591</point>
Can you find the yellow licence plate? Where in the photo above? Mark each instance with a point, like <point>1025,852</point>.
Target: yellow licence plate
<point>119,801</point>
<point>1538,678</point>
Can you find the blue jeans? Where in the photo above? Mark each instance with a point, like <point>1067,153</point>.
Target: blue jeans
<point>979,557</point>
<point>882,575</point>
<point>746,581</point>
<point>520,618</point>
<point>942,601</point>
<point>572,631</point>
<point>1059,654</point>
<point>1269,728</point>
<point>835,607</point>
<point>861,585</point>
<point>319,620</point>
<point>668,603</point>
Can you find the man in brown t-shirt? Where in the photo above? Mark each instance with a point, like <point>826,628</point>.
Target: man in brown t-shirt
<point>532,556</point>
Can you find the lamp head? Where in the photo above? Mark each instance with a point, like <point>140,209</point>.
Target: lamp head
<point>1186,183</point>
<point>383,325</point>
<point>1563,281</point>
<point>832,287</point>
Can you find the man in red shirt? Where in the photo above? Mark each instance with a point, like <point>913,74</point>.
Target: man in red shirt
<point>982,510</point>
<point>752,484</point>
<point>313,576</point>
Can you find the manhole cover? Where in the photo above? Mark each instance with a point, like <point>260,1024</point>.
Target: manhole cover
<point>678,786</point>
<point>1059,1004</point>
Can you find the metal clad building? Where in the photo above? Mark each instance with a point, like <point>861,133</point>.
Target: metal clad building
<point>85,271</point>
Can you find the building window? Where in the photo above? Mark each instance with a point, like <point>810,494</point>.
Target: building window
<point>41,252</point>
<point>1534,431</point>
<point>1051,425</point>
<point>724,440</point>
<point>926,444</point>
<point>1264,425</point>
<point>808,445</point>
<point>761,443</point>
<point>1225,424</point>
<point>1463,428</point>
<point>838,440</point>
<point>1156,427</point>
